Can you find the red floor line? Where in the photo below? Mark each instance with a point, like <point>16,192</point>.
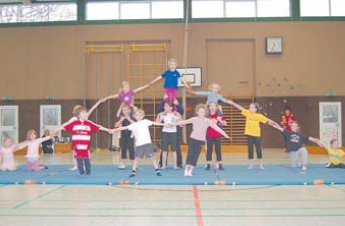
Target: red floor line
<point>197,206</point>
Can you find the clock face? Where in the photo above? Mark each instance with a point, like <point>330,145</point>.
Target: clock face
<point>274,45</point>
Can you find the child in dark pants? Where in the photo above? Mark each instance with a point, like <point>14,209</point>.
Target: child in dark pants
<point>197,138</point>
<point>81,130</point>
<point>143,142</point>
<point>179,159</point>
<point>126,139</point>
<point>213,138</point>
<point>253,131</point>
<point>169,134</point>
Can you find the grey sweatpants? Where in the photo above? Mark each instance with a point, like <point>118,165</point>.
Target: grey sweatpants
<point>299,157</point>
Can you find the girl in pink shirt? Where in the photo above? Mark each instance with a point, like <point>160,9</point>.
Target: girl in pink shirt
<point>7,154</point>
<point>198,136</point>
<point>32,154</point>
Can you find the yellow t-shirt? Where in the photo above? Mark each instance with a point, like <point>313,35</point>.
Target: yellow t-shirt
<point>335,156</point>
<point>253,121</point>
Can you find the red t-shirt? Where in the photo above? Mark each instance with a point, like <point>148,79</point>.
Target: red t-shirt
<point>287,119</point>
<point>81,136</point>
<point>211,133</point>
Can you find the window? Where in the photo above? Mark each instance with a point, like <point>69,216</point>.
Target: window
<point>207,9</point>
<point>273,8</point>
<point>314,8</point>
<point>338,8</point>
<point>135,10</point>
<point>167,9</point>
<point>240,8</point>
<point>127,10</point>
<point>38,12</point>
<point>8,14</point>
<point>323,8</point>
<point>102,11</point>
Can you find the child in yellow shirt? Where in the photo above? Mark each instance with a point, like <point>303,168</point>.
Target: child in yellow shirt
<point>336,155</point>
<point>253,131</point>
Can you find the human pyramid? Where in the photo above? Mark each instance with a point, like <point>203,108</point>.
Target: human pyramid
<point>136,139</point>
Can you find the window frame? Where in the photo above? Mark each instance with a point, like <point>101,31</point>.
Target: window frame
<point>81,17</point>
<point>48,22</point>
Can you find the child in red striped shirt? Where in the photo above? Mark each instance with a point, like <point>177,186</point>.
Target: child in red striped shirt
<point>81,130</point>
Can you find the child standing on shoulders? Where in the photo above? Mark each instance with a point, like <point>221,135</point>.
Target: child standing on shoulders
<point>336,155</point>
<point>253,131</point>
<point>213,96</point>
<point>126,95</point>
<point>197,138</point>
<point>169,133</point>
<point>81,130</point>
<point>142,137</point>
<point>171,77</point>
<point>126,139</point>
<point>295,141</point>
<point>214,137</point>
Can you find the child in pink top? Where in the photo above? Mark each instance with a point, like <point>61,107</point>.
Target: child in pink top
<point>32,155</point>
<point>198,136</point>
<point>7,154</point>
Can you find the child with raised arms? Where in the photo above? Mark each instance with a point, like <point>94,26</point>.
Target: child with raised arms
<point>126,139</point>
<point>198,136</point>
<point>75,112</point>
<point>142,137</point>
<point>126,95</point>
<point>295,141</point>
<point>32,155</point>
<point>213,96</point>
<point>171,77</point>
<point>214,137</point>
<point>253,131</point>
<point>7,154</point>
<point>169,133</point>
<point>81,130</point>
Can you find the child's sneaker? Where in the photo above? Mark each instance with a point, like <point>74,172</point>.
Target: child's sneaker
<point>74,168</point>
<point>220,167</point>
<point>261,166</point>
<point>158,172</point>
<point>250,166</point>
<point>304,168</point>
<point>189,174</point>
<point>133,174</point>
<point>208,167</point>
<point>121,166</point>
<point>185,173</point>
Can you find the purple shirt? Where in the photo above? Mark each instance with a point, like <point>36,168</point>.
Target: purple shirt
<point>127,98</point>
